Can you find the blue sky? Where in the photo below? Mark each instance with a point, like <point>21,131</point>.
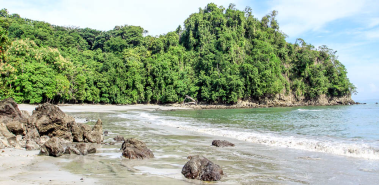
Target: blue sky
<point>351,27</point>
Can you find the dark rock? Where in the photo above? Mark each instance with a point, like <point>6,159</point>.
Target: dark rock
<point>53,122</point>
<point>53,147</point>
<point>220,143</point>
<point>106,133</point>
<point>9,108</point>
<point>119,138</point>
<point>16,127</point>
<point>135,149</point>
<point>199,167</point>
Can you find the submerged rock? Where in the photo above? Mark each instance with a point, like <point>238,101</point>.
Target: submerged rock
<point>135,149</point>
<point>220,143</point>
<point>119,138</point>
<point>199,167</point>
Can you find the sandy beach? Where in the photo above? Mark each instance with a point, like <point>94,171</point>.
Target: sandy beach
<point>18,166</point>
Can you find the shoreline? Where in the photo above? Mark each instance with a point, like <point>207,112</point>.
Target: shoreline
<point>18,166</point>
<point>27,169</point>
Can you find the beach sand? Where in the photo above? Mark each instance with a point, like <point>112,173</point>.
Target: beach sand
<point>18,166</point>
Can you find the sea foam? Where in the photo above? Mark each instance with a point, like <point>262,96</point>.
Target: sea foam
<point>350,148</point>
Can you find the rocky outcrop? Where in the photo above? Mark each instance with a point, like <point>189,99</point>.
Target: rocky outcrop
<point>119,138</point>
<point>48,129</point>
<point>199,167</point>
<point>53,147</point>
<point>135,149</point>
<point>278,100</point>
<point>51,121</point>
<point>220,143</point>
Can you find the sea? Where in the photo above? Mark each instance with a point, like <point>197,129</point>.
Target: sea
<point>283,145</point>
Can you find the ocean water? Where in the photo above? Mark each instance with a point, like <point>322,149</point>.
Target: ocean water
<point>301,145</point>
<point>342,130</point>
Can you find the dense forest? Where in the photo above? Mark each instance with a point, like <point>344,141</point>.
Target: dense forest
<point>220,55</point>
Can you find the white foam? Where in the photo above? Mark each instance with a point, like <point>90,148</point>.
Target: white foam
<point>360,149</point>
<point>308,110</point>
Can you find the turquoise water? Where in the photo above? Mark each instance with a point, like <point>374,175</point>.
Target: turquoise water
<point>342,130</point>
<point>302,145</point>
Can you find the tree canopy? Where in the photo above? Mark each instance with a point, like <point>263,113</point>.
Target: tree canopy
<point>220,55</point>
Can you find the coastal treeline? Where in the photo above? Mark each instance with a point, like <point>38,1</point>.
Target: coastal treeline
<point>220,55</point>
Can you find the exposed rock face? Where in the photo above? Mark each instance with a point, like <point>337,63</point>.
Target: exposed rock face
<point>53,147</point>
<point>119,138</point>
<point>51,121</point>
<point>220,143</point>
<point>135,149</point>
<point>16,127</point>
<point>199,167</point>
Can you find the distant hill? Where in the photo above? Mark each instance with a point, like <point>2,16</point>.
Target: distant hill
<point>221,55</point>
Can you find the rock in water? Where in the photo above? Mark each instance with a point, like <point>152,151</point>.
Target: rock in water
<point>51,121</point>
<point>53,147</point>
<point>199,167</point>
<point>119,138</point>
<point>135,149</point>
<point>220,143</point>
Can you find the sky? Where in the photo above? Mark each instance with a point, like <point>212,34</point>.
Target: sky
<point>351,27</point>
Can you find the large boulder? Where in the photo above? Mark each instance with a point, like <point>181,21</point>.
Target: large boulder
<point>53,122</point>
<point>199,167</point>
<point>31,145</point>
<point>53,147</point>
<point>220,143</point>
<point>135,149</point>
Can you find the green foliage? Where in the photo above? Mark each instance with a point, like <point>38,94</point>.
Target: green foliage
<point>221,55</point>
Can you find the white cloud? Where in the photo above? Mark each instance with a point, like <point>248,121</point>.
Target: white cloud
<point>158,17</point>
<point>298,16</point>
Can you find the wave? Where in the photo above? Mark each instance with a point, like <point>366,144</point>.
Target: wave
<point>360,149</point>
<point>308,110</point>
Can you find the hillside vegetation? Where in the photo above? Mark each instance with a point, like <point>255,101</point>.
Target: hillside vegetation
<point>221,55</point>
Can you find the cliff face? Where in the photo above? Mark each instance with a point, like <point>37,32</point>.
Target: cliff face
<point>281,100</point>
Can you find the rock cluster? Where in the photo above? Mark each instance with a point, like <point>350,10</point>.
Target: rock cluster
<point>199,167</point>
<point>220,143</point>
<point>48,129</point>
<point>135,149</point>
